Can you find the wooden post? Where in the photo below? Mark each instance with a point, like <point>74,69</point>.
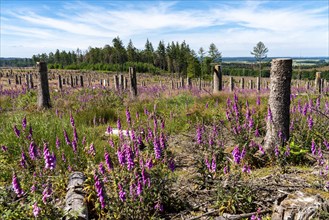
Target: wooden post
<point>182,82</point>
<point>125,83</point>
<point>31,81</point>
<point>133,81</point>
<point>217,79</point>
<point>116,82</point>
<point>76,80</point>
<point>81,80</point>
<point>258,83</point>
<point>63,81</point>
<point>27,81</point>
<point>189,82</point>
<point>75,207</point>
<point>242,83</point>
<point>20,79</point>
<point>278,119</point>
<point>121,82</point>
<point>231,84</point>
<point>60,86</point>
<point>250,84</point>
<point>317,82</point>
<point>43,93</point>
<point>71,80</point>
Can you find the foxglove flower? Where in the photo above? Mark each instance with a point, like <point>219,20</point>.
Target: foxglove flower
<point>23,160</point>
<point>157,148</point>
<point>83,142</point>
<point>310,122</point>
<point>128,117</point>
<point>132,190</point>
<point>4,148</point>
<point>16,186</point>
<point>68,142</point>
<point>75,135</point>
<point>257,134</point>
<point>171,165</point>
<point>122,193</point>
<point>24,123</point>
<point>121,157</point>
<point>91,150</point>
<point>101,168</point>
<point>17,132</point>
<point>213,164</point>
<point>199,135</point>
<point>326,143</point>
<point>269,114</point>
<point>149,163</point>
<point>30,133</point>
<point>58,143</point>
<point>47,192</point>
<point>50,159</point>
<point>63,157</point>
<point>129,158</point>
<point>313,149</point>
<point>236,155</point>
<point>119,124</point>
<point>33,151</point>
<point>139,187</point>
<point>99,190</point>
<point>158,207</point>
<point>72,120</point>
<point>108,161</point>
<point>276,151</point>
<point>36,210</point>
<point>246,169</point>
<point>74,146</point>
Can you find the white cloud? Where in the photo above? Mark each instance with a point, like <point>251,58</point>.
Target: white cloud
<point>234,28</point>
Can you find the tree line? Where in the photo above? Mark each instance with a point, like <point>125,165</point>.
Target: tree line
<point>175,58</point>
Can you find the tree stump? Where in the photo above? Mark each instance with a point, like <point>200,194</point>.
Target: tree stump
<point>133,81</point>
<point>231,84</point>
<point>242,83</point>
<point>317,82</point>
<point>258,83</point>
<point>43,93</point>
<point>278,119</point>
<point>31,81</point>
<point>81,80</point>
<point>218,81</point>
<point>75,207</point>
<point>60,85</point>
<point>300,206</point>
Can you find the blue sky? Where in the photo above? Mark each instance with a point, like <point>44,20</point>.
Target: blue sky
<point>287,28</point>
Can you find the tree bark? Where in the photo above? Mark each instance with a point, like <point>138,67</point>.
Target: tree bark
<point>217,79</point>
<point>43,93</point>
<point>74,200</point>
<point>279,104</point>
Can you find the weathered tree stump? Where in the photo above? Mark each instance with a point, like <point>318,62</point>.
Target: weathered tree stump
<point>81,80</point>
<point>258,83</point>
<point>31,81</point>
<point>121,82</point>
<point>116,82</point>
<point>43,93</point>
<point>75,207</point>
<point>300,206</point>
<point>278,119</point>
<point>217,79</point>
<point>231,84</point>
<point>250,84</point>
<point>317,82</point>
<point>71,81</point>
<point>60,85</point>
<point>242,83</point>
<point>133,81</point>
<point>27,79</point>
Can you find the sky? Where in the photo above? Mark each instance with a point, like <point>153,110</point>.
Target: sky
<point>296,28</point>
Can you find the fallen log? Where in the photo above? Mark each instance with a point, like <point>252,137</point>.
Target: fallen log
<point>75,208</point>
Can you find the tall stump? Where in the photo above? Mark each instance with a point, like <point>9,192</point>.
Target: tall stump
<point>60,85</point>
<point>31,81</point>
<point>133,81</point>
<point>278,120</point>
<point>217,79</point>
<point>242,83</point>
<point>317,82</point>
<point>231,84</point>
<point>43,93</point>
<point>258,83</point>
